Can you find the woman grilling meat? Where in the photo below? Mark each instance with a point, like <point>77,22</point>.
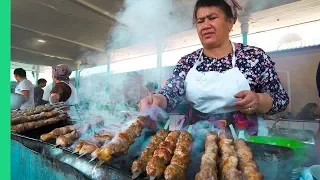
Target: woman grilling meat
<point>223,78</point>
<point>63,90</point>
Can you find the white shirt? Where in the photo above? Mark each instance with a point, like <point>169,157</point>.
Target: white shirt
<point>26,85</point>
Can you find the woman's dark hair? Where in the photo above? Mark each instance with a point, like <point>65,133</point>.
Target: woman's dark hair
<point>20,72</point>
<point>212,3</point>
<point>306,112</point>
<point>62,78</point>
<point>307,108</point>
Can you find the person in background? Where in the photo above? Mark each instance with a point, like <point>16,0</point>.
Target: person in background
<point>63,90</point>
<point>308,112</point>
<point>38,92</point>
<point>24,87</point>
<point>152,88</point>
<point>223,79</point>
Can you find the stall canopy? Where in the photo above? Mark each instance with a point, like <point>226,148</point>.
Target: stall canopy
<point>48,33</point>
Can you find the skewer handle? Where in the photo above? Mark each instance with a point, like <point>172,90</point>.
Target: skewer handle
<point>190,129</point>
<point>92,159</point>
<point>99,163</point>
<point>212,127</point>
<point>233,132</point>
<point>81,156</point>
<point>167,124</point>
<point>135,175</point>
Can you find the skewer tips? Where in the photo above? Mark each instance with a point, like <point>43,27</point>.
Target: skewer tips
<point>81,155</point>
<point>167,124</point>
<point>233,132</point>
<point>92,159</point>
<point>190,129</point>
<point>99,163</point>
<point>135,175</point>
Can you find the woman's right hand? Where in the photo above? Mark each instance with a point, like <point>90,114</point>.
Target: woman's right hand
<point>156,100</point>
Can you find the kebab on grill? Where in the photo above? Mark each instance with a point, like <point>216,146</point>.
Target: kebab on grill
<point>31,111</point>
<point>78,146</point>
<point>36,110</point>
<point>20,128</point>
<point>94,142</point>
<point>181,158</point>
<point>247,165</point>
<point>84,143</point>
<point>121,143</point>
<point>104,135</point>
<point>208,168</point>
<point>81,128</point>
<point>68,139</point>
<point>139,165</point>
<point>35,117</point>
<point>57,132</point>
<point>162,156</point>
<point>228,159</point>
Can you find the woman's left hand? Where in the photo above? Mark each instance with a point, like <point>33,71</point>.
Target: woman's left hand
<point>248,103</point>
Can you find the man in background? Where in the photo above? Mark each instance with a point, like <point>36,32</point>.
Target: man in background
<point>38,92</point>
<point>24,87</point>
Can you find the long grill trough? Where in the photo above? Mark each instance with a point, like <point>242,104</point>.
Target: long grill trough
<point>274,162</point>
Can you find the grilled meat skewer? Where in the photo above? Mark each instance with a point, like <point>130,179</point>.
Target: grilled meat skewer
<point>67,139</point>
<point>20,128</point>
<point>229,161</point>
<point>247,165</point>
<point>35,117</point>
<point>162,156</point>
<point>208,168</point>
<point>181,158</point>
<point>121,143</point>
<point>57,132</point>
<point>139,165</point>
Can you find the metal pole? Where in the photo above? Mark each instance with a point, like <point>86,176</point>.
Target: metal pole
<point>108,72</point>
<point>244,20</point>
<point>160,45</point>
<point>37,73</point>
<point>245,38</point>
<point>159,62</point>
<point>78,63</point>
<point>37,77</point>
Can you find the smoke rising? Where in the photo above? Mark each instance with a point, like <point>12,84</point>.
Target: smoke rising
<point>144,20</point>
<point>140,21</point>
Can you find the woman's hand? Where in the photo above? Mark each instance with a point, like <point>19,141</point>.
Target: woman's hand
<point>156,100</point>
<point>54,98</point>
<point>249,102</point>
<point>252,102</point>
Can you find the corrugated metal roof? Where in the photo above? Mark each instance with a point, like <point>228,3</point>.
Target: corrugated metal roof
<point>296,45</point>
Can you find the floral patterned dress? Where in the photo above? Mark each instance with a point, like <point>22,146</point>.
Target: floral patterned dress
<point>253,62</point>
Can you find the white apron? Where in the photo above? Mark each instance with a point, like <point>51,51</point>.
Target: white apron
<point>73,99</point>
<point>213,92</point>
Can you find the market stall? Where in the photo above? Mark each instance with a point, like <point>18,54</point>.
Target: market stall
<point>105,137</point>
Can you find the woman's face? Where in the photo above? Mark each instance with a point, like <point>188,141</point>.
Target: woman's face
<point>212,26</point>
<point>314,109</point>
<point>54,79</point>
